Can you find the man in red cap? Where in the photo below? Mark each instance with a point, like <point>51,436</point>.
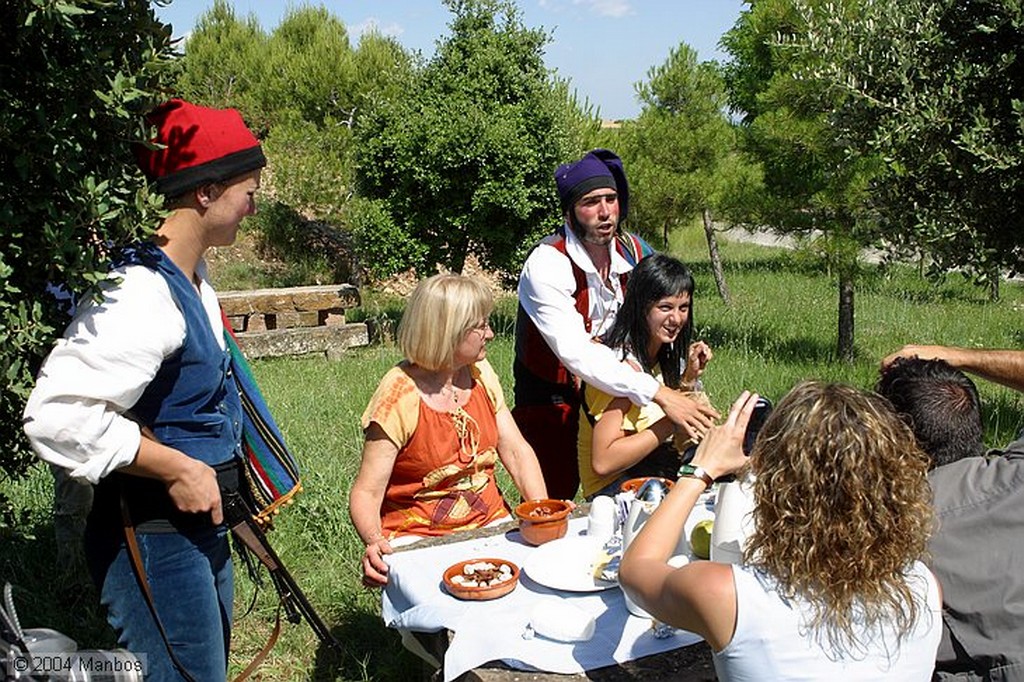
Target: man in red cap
<point>570,290</point>
<point>137,398</point>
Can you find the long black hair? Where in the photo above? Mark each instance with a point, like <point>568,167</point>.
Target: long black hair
<point>654,278</point>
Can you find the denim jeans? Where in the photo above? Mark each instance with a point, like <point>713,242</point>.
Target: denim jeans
<point>190,577</point>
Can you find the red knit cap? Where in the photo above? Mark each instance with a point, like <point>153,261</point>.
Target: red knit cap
<point>199,146</point>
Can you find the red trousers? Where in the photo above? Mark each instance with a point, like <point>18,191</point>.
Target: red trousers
<point>551,430</point>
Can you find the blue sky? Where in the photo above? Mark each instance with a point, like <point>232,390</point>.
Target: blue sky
<point>602,46</point>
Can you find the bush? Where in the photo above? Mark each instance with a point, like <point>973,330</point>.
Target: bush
<point>383,248</point>
<point>75,79</point>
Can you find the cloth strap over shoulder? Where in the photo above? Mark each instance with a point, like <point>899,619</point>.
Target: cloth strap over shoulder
<point>270,468</point>
<point>632,247</point>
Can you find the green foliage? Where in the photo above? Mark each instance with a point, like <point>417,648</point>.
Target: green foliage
<point>936,89</point>
<point>464,159</point>
<point>305,90</point>
<point>313,253</point>
<point>224,65</point>
<point>75,78</point>
<point>812,180</point>
<point>311,166</point>
<point>382,247</point>
<point>683,153</point>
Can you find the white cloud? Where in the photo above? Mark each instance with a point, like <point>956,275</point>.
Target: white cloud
<point>371,24</point>
<point>608,8</point>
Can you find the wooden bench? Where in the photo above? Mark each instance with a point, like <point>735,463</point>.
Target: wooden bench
<point>294,320</point>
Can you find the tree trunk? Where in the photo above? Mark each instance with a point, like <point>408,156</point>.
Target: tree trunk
<point>993,287</point>
<point>664,233</point>
<point>716,258</point>
<point>844,347</point>
<point>459,253</point>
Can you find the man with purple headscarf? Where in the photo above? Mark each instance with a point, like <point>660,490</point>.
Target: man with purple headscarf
<point>570,290</point>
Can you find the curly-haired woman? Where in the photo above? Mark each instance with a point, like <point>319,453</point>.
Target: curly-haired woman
<point>833,586</point>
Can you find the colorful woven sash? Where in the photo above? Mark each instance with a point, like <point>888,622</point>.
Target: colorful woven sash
<point>271,470</point>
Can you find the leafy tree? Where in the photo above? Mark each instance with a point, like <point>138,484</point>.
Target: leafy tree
<point>306,89</point>
<point>75,79</point>
<point>464,159</point>
<point>936,90</point>
<point>687,162</point>
<point>816,187</point>
<point>224,65</point>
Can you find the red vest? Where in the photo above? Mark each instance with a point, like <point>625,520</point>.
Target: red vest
<point>536,365</point>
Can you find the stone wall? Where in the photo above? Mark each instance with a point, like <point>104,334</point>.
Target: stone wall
<point>294,320</point>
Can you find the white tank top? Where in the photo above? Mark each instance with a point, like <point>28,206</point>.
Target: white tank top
<point>772,642</point>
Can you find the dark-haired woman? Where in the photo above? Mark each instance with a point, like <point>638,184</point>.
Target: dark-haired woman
<point>653,331</point>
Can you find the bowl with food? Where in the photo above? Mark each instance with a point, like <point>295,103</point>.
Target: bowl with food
<point>633,484</point>
<point>542,521</point>
<point>481,579</point>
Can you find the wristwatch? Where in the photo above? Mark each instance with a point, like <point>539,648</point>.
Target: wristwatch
<point>691,471</point>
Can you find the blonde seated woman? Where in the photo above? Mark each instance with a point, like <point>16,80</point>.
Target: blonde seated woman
<point>435,428</point>
<point>833,587</point>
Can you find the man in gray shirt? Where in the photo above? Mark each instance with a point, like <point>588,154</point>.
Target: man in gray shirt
<point>978,548</point>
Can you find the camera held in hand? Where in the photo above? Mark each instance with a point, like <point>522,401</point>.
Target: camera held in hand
<point>762,409</point>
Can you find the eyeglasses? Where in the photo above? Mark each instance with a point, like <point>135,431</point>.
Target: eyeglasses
<point>482,327</point>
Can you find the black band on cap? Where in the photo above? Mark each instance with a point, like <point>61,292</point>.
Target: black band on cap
<point>588,185</point>
<point>218,170</point>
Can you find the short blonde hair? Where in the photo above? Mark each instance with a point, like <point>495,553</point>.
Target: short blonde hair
<point>440,311</point>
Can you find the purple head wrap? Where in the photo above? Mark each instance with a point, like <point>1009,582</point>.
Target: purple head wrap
<point>597,169</point>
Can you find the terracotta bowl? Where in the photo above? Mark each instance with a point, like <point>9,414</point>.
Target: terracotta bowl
<point>542,521</point>
<point>494,590</point>
<point>633,484</point>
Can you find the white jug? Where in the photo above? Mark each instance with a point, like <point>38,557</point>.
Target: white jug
<point>648,497</point>
<point>733,520</point>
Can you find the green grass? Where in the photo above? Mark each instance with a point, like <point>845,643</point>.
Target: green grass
<point>780,329</point>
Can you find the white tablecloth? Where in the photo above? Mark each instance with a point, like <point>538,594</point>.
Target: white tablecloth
<point>415,599</point>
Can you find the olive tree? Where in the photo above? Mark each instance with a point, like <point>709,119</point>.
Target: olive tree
<point>936,90</point>
<point>816,186</point>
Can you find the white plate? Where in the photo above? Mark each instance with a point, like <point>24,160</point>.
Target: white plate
<point>567,564</point>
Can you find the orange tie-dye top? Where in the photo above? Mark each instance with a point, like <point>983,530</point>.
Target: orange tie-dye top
<point>443,478</point>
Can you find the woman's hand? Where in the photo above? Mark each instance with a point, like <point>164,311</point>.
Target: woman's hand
<point>364,502</point>
<point>697,358</point>
<point>375,569</point>
<point>721,452</point>
<point>191,484</point>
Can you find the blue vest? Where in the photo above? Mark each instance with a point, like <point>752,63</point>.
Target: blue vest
<point>191,405</point>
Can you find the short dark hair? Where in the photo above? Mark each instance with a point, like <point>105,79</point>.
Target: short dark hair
<point>939,403</point>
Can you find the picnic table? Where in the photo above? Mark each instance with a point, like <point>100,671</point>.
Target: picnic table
<point>484,640</point>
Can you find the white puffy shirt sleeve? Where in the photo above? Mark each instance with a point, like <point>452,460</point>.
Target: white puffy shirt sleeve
<point>546,285</point>
<point>108,355</point>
